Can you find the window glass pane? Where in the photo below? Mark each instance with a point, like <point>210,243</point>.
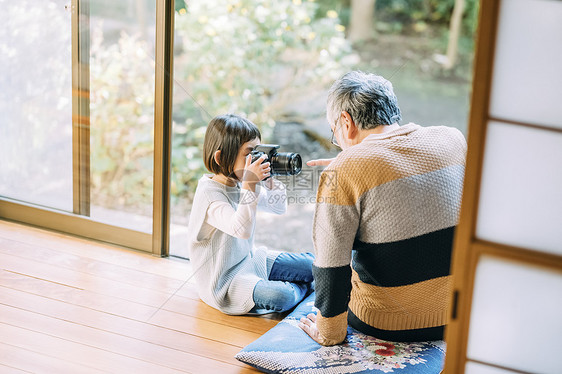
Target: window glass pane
<point>520,198</point>
<point>122,35</point>
<point>273,62</point>
<point>35,102</point>
<point>515,318</point>
<point>527,75</point>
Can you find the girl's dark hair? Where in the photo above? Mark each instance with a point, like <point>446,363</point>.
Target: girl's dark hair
<point>226,133</point>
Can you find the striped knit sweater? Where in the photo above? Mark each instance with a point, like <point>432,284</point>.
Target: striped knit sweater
<point>388,207</point>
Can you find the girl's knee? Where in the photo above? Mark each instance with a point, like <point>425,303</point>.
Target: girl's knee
<point>292,267</point>
<point>279,296</point>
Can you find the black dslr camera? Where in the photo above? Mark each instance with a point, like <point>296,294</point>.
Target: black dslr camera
<point>282,163</point>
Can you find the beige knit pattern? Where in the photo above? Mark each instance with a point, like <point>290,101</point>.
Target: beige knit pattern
<point>421,305</point>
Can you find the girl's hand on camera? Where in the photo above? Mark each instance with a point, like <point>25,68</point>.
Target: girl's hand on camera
<point>254,172</point>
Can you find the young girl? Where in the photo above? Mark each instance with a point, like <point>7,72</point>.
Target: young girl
<point>231,275</point>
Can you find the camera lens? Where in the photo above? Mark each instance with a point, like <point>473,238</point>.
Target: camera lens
<point>286,163</point>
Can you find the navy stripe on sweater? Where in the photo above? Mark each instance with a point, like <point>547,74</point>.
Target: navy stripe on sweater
<point>415,335</point>
<point>333,287</point>
<point>406,261</point>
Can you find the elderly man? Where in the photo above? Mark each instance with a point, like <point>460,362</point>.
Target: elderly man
<point>387,207</point>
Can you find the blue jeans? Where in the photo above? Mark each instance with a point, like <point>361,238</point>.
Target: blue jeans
<point>290,280</point>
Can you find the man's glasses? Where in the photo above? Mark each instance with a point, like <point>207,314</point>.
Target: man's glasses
<point>333,139</point>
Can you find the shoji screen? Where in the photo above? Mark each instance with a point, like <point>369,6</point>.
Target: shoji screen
<point>507,264</point>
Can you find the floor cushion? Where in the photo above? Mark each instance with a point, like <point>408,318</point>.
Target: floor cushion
<point>288,349</point>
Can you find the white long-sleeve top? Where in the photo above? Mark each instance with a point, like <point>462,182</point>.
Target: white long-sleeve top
<point>226,266</point>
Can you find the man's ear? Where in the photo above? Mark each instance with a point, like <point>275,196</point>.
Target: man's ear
<point>348,126</point>
<point>217,157</point>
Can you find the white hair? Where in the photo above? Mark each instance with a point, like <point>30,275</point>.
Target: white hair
<point>368,98</point>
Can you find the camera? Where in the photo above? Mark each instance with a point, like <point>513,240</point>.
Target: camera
<point>282,163</point>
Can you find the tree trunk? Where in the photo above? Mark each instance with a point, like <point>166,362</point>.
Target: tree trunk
<point>362,21</point>
<point>454,34</point>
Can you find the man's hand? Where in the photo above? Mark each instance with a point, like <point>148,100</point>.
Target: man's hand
<point>308,324</point>
<point>320,162</point>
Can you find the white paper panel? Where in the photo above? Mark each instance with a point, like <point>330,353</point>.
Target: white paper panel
<point>516,318</point>
<point>527,81</point>
<point>521,191</point>
<point>476,368</point>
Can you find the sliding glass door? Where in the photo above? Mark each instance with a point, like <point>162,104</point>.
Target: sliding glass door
<point>81,132</point>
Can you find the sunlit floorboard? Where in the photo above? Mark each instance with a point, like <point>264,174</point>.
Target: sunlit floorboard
<point>70,305</point>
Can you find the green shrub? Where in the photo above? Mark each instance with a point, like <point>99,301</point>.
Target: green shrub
<point>251,57</point>
<point>122,118</point>
<point>434,12</point>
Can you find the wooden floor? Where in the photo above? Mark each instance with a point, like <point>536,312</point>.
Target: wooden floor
<point>69,305</point>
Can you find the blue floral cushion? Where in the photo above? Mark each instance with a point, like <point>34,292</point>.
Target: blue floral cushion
<point>287,349</point>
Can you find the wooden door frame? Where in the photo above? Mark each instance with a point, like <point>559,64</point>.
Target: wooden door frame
<point>467,247</point>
